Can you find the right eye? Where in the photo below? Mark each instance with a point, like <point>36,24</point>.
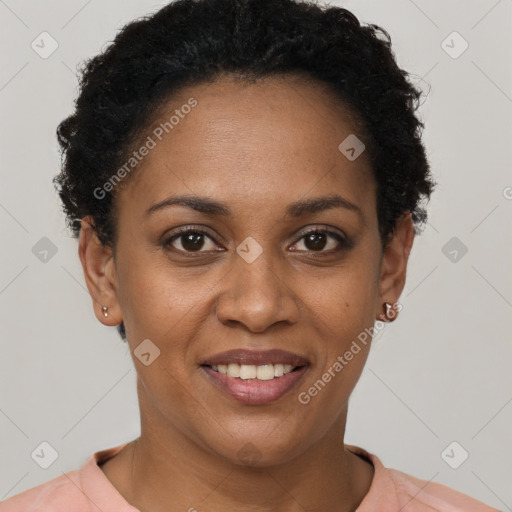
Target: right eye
<point>190,240</point>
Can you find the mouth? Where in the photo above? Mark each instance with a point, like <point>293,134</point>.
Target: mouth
<point>262,372</point>
<point>255,378</point>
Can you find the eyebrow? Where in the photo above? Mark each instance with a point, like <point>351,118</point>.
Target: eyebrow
<point>294,210</point>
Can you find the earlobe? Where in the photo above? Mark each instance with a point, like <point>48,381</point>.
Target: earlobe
<point>395,258</point>
<point>99,273</point>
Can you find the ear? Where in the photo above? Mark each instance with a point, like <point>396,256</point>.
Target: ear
<point>99,272</point>
<point>394,261</point>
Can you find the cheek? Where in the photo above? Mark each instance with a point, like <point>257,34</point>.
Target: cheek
<point>163,392</point>
<point>344,300</point>
<point>342,308</point>
<point>156,299</point>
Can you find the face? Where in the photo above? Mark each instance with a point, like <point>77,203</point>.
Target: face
<point>246,230</point>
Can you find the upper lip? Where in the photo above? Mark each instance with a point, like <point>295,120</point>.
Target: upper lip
<point>256,357</point>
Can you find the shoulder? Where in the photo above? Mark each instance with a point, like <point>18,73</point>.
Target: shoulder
<point>82,490</point>
<point>423,495</point>
<point>393,490</point>
<point>61,493</point>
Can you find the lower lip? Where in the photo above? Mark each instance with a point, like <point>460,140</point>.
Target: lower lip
<point>254,391</point>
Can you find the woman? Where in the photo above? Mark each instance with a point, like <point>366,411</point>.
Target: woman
<point>245,180</point>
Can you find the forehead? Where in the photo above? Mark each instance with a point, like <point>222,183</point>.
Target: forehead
<point>248,143</point>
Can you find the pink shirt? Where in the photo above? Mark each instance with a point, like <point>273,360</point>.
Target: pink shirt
<point>89,490</point>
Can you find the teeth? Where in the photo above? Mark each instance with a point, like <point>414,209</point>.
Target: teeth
<point>278,370</point>
<point>250,371</point>
<point>233,370</point>
<point>265,372</point>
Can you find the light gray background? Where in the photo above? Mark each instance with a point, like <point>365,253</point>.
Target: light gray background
<point>441,373</point>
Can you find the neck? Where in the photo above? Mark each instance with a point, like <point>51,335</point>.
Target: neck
<point>164,470</point>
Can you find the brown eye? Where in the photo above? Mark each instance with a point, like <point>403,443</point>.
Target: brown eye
<point>191,240</point>
<point>321,240</point>
<point>315,241</point>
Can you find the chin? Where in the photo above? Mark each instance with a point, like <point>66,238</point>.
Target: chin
<point>258,446</point>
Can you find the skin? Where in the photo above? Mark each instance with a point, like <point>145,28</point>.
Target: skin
<point>256,148</point>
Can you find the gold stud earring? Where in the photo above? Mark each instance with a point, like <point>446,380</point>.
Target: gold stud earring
<point>104,310</point>
<point>390,312</point>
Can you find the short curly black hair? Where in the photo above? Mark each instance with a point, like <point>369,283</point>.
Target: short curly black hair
<point>189,42</point>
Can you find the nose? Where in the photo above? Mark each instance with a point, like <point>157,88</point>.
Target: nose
<point>256,295</point>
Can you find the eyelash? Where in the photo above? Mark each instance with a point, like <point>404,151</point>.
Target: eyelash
<point>344,243</point>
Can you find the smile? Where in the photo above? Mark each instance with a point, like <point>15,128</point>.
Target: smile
<point>250,371</point>
<point>255,378</point>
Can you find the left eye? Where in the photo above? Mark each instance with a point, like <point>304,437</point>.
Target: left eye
<point>318,241</point>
